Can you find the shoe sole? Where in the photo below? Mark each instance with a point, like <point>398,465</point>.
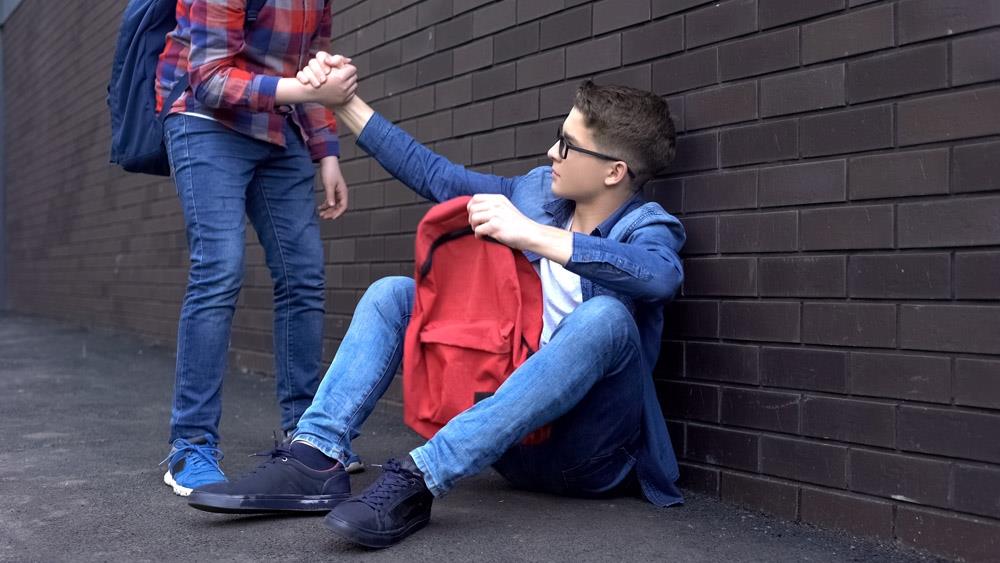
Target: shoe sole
<point>262,504</point>
<point>179,490</point>
<point>370,538</point>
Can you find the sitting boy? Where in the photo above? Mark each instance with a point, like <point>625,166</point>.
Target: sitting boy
<point>608,262</point>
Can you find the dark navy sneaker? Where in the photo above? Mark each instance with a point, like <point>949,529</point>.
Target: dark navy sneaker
<point>280,484</point>
<point>193,463</point>
<point>396,505</point>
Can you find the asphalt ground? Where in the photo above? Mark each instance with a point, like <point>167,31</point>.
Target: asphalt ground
<point>84,417</point>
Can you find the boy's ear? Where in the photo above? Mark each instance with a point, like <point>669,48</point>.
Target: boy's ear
<point>617,172</point>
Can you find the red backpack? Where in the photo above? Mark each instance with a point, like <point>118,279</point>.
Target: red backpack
<point>477,316</point>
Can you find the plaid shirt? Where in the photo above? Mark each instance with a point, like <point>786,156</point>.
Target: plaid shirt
<point>234,74</point>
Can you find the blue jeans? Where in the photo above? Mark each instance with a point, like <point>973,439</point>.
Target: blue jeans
<point>585,381</point>
<point>222,177</point>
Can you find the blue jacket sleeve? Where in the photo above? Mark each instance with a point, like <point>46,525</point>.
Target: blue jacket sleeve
<point>424,171</point>
<point>646,267</point>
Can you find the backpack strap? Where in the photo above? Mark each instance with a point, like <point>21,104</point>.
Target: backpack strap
<point>168,102</point>
<point>253,10</point>
<point>252,13</point>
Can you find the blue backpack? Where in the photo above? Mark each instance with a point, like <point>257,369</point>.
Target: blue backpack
<point>136,128</point>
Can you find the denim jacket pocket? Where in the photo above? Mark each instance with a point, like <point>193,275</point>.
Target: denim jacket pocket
<point>599,474</point>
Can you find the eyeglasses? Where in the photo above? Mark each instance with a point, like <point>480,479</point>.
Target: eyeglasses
<point>565,146</point>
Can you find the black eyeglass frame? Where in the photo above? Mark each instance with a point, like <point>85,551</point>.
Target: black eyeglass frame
<point>566,146</point>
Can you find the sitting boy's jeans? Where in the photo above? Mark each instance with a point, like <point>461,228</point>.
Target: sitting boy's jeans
<point>585,381</point>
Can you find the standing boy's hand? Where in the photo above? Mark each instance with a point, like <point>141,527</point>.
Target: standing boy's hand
<point>335,202</point>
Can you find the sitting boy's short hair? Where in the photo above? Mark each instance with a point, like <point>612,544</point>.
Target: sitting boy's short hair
<point>631,124</point>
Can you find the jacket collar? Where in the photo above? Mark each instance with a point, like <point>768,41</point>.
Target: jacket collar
<point>560,210</point>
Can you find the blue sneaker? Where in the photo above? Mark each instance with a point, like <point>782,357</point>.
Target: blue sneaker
<point>192,464</point>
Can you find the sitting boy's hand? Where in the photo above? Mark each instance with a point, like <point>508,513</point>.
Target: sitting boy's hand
<point>335,78</point>
<point>495,216</point>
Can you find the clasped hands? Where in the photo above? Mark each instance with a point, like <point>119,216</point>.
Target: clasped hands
<point>333,78</point>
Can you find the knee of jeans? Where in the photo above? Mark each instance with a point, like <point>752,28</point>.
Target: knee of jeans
<point>300,266</point>
<point>218,279</point>
<point>393,294</point>
<point>603,311</point>
<point>302,280</point>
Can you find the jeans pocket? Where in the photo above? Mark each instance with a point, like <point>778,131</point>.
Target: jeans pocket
<point>599,474</point>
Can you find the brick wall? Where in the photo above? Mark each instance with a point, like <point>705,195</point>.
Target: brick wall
<point>835,357</point>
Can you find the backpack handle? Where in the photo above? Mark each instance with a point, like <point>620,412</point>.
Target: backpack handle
<point>447,237</point>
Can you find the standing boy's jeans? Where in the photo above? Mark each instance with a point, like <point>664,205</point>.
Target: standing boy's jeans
<point>222,177</point>
<point>586,380</point>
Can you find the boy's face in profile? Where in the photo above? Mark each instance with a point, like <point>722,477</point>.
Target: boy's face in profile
<point>578,177</point>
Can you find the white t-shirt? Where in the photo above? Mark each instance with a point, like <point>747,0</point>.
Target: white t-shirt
<point>561,293</point>
<point>201,115</point>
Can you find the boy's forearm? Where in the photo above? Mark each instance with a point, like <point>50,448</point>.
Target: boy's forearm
<point>355,114</point>
<point>551,242</point>
<point>290,91</point>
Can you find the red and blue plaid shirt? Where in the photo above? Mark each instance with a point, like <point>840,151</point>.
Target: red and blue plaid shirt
<point>234,73</point>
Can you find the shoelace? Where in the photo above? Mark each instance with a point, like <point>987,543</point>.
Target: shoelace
<point>394,478</point>
<point>281,451</point>
<point>204,458</point>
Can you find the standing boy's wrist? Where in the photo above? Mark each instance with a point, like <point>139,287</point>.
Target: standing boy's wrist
<point>290,91</point>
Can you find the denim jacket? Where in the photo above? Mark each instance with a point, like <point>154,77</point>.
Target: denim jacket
<point>632,256</point>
